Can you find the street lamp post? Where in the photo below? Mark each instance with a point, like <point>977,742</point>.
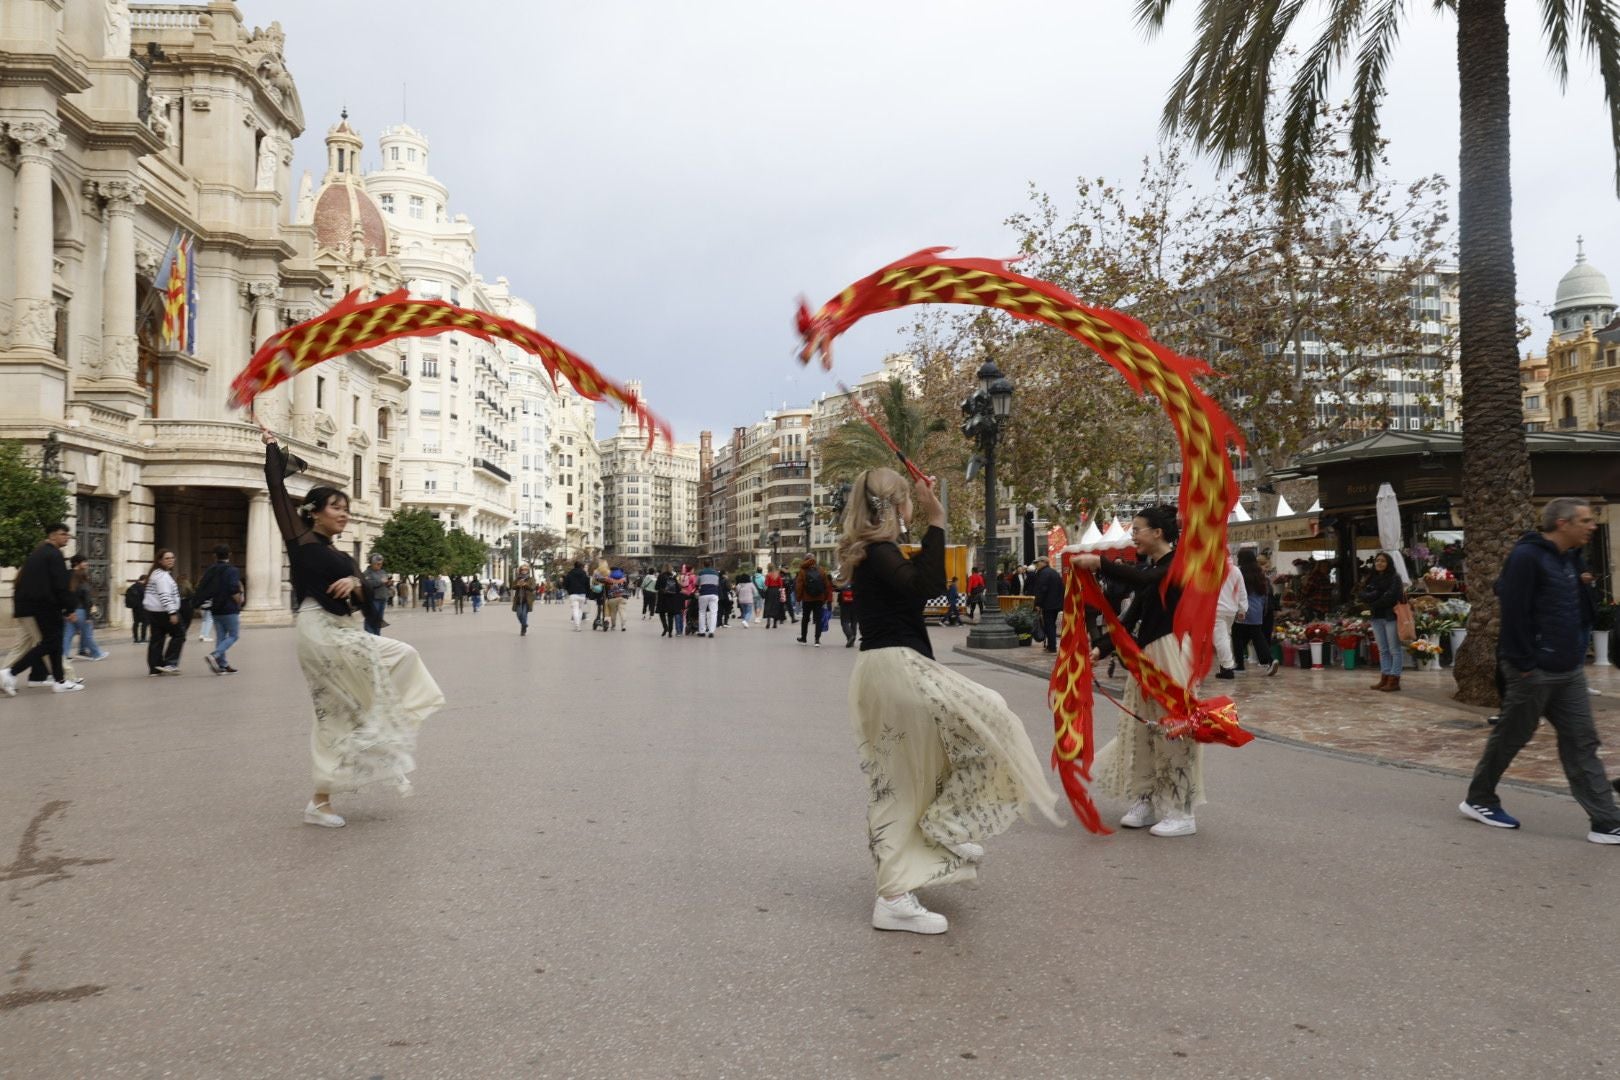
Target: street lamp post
<point>986,410</point>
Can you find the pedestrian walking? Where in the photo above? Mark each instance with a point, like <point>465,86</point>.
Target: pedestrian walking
<point>811,590</point>
<point>1232,601</point>
<point>84,612</point>
<point>1046,586</point>
<point>458,594</point>
<point>725,601</point>
<point>1542,652</point>
<point>649,593</point>
<point>371,693</point>
<point>374,604</point>
<point>947,764</point>
<point>709,585</point>
<point>848,616</point>
<point>577,585</point>
<point>953,604</point>
<point>475,593</point>
<point>687,624</point>
<point>221,589</point>
<point>669,602</point>
<point>775,610</point>
<point>975,594</point>
<point>162,607</point>
<point>43,602</point>
<point>133,597</point>
<point>746,595</point>
<point>523,598</point>
<point>618,592</point>
<point>1250,625</point>
<point>1163,778</point>
<point>1381,591</point>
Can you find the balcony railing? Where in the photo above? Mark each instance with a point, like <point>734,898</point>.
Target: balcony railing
<point>491,467</point>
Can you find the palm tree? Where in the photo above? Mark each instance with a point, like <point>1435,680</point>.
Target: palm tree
<point>1221,100</point>
<point>853,447</point>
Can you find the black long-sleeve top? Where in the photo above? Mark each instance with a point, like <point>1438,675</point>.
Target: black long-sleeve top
<point>1150,615</point>
<point>316,563</point>
<point>1381,592</point>
<point>43,585</point>
<point>893,590</point>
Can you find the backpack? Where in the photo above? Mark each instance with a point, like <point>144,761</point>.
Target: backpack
<point>815,586</point>
<point>672,587</point>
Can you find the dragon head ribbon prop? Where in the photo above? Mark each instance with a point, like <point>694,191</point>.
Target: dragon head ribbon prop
<point>350,326</point>
<point>1208,488</point>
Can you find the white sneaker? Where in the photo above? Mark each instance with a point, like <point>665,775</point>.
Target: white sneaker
<point>314,815</point>
<point>8,683</point>
<point>1139,816</point>
<point>66,686</point>
<point>745,624</point>
<point>906,913</point>
<point>1175,825</point>
<point>41,682</point>
<point>966,850</point>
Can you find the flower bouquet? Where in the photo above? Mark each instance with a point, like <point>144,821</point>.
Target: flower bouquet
<point>1425,652</point>
<point>1439,580</point>
<point>1318,632</point>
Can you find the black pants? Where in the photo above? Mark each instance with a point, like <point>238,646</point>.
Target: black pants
<point>164,640</point>
<point>649,603</point>
<point>49,649</point>
<point>137,618</point>
<point>1049,628</point>
<point>1246,634</point>
<point>666,619</point>
<point>809,612</point>
<point>848,622</point>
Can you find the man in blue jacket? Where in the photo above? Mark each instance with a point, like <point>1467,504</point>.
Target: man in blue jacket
<point>1541,650</point>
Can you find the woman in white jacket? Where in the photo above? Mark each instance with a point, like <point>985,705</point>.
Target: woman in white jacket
<point>1232,602</point>
<point>162,606</point>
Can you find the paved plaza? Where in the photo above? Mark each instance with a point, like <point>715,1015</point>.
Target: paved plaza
<point>635,857</point>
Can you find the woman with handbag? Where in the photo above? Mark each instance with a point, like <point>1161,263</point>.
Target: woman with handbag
<point>947,764</point>
<point>371,693</point>
<point>523,598</point>
<point>1382,592</point>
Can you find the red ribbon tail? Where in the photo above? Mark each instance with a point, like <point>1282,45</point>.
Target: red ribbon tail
<point>1074,786</point>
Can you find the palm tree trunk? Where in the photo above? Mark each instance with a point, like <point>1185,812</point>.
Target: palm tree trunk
<point>1496,466</point>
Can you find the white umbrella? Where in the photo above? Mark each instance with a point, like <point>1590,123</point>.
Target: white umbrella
<point>1389,529</point>
<point>1091,538</point>
<point>1283,509</point>
<point>1238,513</point>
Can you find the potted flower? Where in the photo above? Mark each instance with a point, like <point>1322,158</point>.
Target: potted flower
<point>1439,580</point>
<point>1349,636</point>
<point>1022,620</point>
<point>1455,612</point>
<point>1290,638</point>
<point>1318,634</point>
<point>1425,652</point>
<point>1602,624</point>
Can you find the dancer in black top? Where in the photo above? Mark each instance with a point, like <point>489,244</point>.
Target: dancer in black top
<point>947,764</point>
<point>1163,778</point>
<point>371,693</point>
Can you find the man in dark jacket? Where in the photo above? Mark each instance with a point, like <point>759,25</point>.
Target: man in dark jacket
<point>221,589</point>
<point>44,604</point>
<point>577,587</point>
<point>1046,586</point>
<point>1541,651</point>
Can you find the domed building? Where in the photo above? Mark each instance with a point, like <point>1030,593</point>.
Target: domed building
<point>1581,387</point>
<point>346,218</point>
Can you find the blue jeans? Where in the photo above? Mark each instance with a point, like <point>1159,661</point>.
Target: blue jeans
<point>374,617</point>
<point>227,629</point>
<point>86,630</point>
<point>1389,647</point>
<point>522,615</point>
<point>746,611</point>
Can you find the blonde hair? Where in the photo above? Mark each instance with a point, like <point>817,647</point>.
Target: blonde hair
<point>871,515</point>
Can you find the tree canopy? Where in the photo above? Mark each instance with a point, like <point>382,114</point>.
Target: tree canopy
<point>28,503</point>
<point>412,542</point>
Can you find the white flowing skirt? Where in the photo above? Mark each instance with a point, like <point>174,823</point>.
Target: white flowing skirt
<point>1140,762</point>
<point>945,761</point>
<point>371,695</point>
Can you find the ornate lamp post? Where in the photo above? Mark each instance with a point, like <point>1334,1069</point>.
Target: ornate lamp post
<point>987,409</point>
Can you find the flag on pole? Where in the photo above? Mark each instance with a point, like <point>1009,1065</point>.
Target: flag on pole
<point>177,278</point>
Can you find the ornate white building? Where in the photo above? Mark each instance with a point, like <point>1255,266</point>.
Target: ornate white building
<point>650,503</point>
<point>121,124</point>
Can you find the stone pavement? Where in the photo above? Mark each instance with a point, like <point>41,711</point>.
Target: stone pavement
<point>1333,709</point>
<point>631,857</point>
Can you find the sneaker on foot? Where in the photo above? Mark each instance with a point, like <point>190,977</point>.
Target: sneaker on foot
<point>8,683</point>
<point>66,686</point>
<point>1226,673</point>
<point>213,664</point>
<point>1139,816</point>
<point>1604,836</point>
<point>1271,668</point>
<point>314,815</point>
<point>229,670</point>
<point>906,913</point>
<point>818,644</point>
<point>1175,824</point>
<point>41,682</point>
<point>1489,815</point>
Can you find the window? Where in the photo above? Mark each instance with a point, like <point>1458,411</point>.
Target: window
<point>430,484</point>
<point>411,153</point>
<point>382,425</point>
<point>430,367</point>
<point>1533,401</point>
<point>388,201</point>
<point>320,392</point>
<point>570,498</point>
<point>393,155</point>
<point>385,494</point>
<point>354,409</point>
<point>416,207</point>
<point>359,477</point>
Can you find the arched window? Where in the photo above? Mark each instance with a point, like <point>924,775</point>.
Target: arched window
<point>382,425</point>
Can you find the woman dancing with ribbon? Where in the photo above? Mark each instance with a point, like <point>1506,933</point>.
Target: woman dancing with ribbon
<point>371,693</point>
<point>947,764</point>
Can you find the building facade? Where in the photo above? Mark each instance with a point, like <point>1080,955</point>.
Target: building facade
<point>125,126</point>
<point>650,495</point>
<point>1579,385</point>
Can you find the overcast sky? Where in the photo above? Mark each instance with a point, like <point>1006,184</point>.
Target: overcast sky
<point>663,180</point>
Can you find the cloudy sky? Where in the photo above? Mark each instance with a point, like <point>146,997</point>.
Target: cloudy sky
<point>663,180</point>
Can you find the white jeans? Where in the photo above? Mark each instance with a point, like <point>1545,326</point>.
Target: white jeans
<point>1223,640</point>
<point>708,613</point>
<point>576,607</point>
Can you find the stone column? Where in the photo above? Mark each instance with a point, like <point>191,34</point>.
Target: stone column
<point>272,407</point>
<point>302,392</point>
<point>118,342</point>
<point>33,315</point>
<point>263,566</point>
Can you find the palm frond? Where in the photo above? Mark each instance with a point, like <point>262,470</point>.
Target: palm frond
<point>1371,66</point>
<point>1308,97</point>
<point>1555,25</point>
<point>1600,33</point>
